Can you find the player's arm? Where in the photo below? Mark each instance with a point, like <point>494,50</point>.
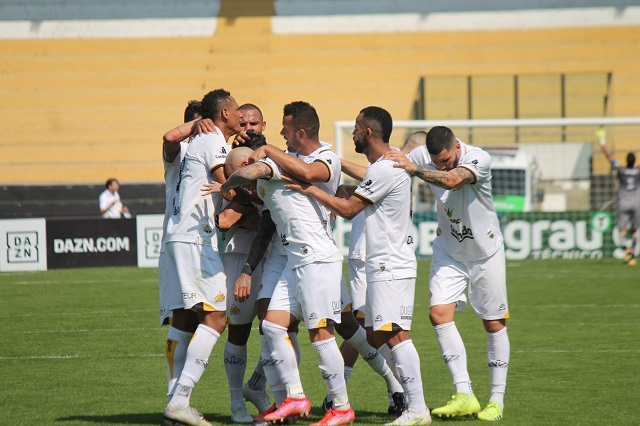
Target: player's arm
<point>171,140</point>
<point>266,228</point>
<point>241,177</point>
<point>346,208</point>
<point>601,136</point>
<point>317,171</point>
<point>236,213</point>
<point>353,170</point>
<point>451,179</point>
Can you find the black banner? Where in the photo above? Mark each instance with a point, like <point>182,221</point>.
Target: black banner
<point>78,243</point>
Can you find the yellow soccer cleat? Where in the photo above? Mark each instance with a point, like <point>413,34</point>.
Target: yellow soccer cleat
<point>460,405</point>
<point>492,412</point>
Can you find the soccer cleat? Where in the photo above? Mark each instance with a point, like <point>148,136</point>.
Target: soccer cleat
<point>258,398</point>
<point>460,405</point>
<point>290,407</point>
<point>492,412</point>
<point>327,404</point>
<point>628,255</point>
<point>241,415</point>
<point>398,404</point>
<point>337,417</point>
<point>631,262</point>
<point>186,416</point>
<point>409,418</point>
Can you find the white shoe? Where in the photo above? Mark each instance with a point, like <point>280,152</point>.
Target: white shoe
<point>241,415</point>
<point>258,398</point>
<point>410,418</point>
<point>187,416</point>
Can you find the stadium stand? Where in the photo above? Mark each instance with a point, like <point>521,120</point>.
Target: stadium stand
<point>88,88</point>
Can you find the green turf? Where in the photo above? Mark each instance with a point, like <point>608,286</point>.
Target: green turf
<point>83,346</point>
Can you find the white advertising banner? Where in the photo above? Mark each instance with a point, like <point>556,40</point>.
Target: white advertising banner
<point>149,235</point>
<point>23,243</point>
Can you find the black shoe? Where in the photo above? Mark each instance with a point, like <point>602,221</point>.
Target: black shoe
<point>399,404</point>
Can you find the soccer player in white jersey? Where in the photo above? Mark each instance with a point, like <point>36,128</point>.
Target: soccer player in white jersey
<point>174,146</point>
<point>308,290</point>
<point>238,221</point>
<point>468,253</point>
<point>314,162</point>
<point>192,242</point>
<point>385,197</point>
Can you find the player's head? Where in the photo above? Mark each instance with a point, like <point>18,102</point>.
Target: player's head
<point>252,118</point>
<point>372,123</point>
<point>255,141</point>
<point>300,122</point>
<point>413,141</point>
<point>443,148</point>
<point>112,184</point>
<point>192,111</point>
<point>222,108</point>
<point>631,160</point>
<point>237,158</point>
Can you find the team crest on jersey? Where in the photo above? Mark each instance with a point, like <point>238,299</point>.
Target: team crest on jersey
<point>382,266</point>
<point>305,249</point>
<point>261,192</point>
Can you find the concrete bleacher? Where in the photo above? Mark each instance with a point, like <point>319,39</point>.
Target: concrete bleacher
<point>60,201</point>
<point>74,111</point>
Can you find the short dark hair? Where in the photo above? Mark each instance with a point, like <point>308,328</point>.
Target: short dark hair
<point>439,138</point>
<point>303,116</point>
<point>255,141</point>
<point>248,107</point>
<point>631,160</point>
<point>109,182</point>
<point>191,110</point>
<point>379,121</point>
<point>213,102</point>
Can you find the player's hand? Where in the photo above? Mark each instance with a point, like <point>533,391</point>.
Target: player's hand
<point>297,185</point>
<point>601,136</point>
<point>212,188</point>
<point>240,139</point>
<point>242,287</point>
<point>258,154</point>
<point>206,126</point>
<point>401,160</point>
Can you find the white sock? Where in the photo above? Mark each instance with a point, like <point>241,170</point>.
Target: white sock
<point>374,359</point>
<point>498,350</point>
<point>454,355</point>
<point>332,370</point>
<point>386,353</point>
<point>197,360</point>
<point>175,354</point>
<point>284,357</point>
<point>257,381</point>
<point>408,363</point>
<point>235,363</point>
<point>293,337</point>
<point>270,371</point>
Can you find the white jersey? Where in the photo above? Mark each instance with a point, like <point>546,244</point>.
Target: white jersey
<point>171,182</point>
<point>357,245</point>
<point>298,219</point>
<point>192,219</point>
<point>469,225</point>
<point>388,224</point>
<point>105,199</point>
<point>333,163</point>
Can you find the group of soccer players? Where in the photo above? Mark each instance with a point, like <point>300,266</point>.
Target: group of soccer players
<point>280,262</point>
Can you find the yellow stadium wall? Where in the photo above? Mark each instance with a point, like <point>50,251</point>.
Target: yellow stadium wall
<point>81,110</point>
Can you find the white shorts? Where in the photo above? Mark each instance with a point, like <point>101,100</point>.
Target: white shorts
<point>191,274</point>
<point>271,272</point>
<point>390,304</point>
<point>486,279</point>
<point>240,312</point>
<point>345,297</point>
<point>311,293</point>
<point>358,285</point>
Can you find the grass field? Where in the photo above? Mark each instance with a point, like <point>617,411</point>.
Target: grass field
<point>83,346</point>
